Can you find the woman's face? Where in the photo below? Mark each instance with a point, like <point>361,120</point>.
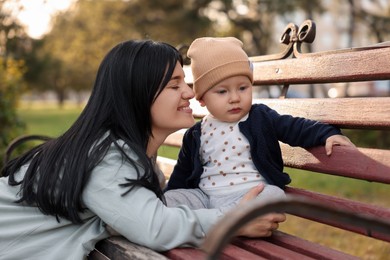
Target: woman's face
<point>171,110</point>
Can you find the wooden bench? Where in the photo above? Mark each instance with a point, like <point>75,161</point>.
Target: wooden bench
<point>367,164</point>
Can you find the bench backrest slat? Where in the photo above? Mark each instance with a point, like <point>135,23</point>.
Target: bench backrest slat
<point>368,164</point>
<point>360,65</point>
<point>372,113</point>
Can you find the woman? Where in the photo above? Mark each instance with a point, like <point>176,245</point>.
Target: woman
<point>59,198</point>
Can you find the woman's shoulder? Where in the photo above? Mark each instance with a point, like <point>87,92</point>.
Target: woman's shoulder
<point>114,163</point>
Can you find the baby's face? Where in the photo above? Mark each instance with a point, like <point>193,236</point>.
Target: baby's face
<point>229,100</point>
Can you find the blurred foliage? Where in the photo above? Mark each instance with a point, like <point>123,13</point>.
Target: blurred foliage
<point>67,58</point>
<point>369,138</point>
<point>14,44</point>
<point>71,52</point>
<point>11,72</point>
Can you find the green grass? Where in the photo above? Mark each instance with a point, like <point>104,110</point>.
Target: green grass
<point>50,120</point>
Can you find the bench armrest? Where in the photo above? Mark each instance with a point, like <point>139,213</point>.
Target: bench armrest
<point>224,230</point>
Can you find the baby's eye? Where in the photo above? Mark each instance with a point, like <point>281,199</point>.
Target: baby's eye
<point>243,88</point>
<point>221,91</point>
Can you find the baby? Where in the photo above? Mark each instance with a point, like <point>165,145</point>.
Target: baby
<point>236,146</point>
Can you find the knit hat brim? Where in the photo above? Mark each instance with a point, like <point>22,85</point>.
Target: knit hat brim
<point>208,80</point>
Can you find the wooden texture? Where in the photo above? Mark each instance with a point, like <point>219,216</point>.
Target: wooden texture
<point>121,248</point>
<point>355,207</point>
<point>358,113</point>
<point>360,163</point>
<point>305,247</point>
<point>363,65</point>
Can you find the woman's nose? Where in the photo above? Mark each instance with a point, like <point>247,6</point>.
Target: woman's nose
<point>188,92</point>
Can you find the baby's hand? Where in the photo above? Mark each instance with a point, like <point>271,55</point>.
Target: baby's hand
<point>337,140</point>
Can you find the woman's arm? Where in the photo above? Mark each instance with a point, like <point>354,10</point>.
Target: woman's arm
<point>139,215</point>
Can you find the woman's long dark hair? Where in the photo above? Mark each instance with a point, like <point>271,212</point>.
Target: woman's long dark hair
<point>128,81</point>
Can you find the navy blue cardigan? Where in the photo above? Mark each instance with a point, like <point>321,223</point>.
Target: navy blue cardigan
<point>263,129</point>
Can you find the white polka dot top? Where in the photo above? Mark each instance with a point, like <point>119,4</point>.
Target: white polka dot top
<point>225,155</point>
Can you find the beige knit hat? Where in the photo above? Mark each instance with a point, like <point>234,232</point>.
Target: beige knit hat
<point>216,59</point>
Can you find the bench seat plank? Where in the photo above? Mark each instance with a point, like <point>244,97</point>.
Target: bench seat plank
<point>268,250</point>
<point>307,248</point>
<point>120,248</point>
<point>231,252</point>
<point>184,253</point>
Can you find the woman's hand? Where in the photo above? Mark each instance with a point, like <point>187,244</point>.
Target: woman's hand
<point>262,226</point>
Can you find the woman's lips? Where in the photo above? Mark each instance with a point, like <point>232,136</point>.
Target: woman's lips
<point>185,109</point>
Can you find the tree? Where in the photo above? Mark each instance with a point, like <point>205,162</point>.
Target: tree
<point>253,21</point>
<point>80,37</point>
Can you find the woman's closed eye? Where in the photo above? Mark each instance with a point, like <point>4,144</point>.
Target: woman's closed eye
<point>174,86</point>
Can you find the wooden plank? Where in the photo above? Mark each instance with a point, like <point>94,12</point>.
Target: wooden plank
<point>363,65</point>
<point>120,248</point>
<point>268,250</point>
<point>184,254</point>
<point>306,247</point>
<point>361,163</point>
<point>372,113</point>
<point>356,207</point>
<point>231,252</point>
<point>97,255</point>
